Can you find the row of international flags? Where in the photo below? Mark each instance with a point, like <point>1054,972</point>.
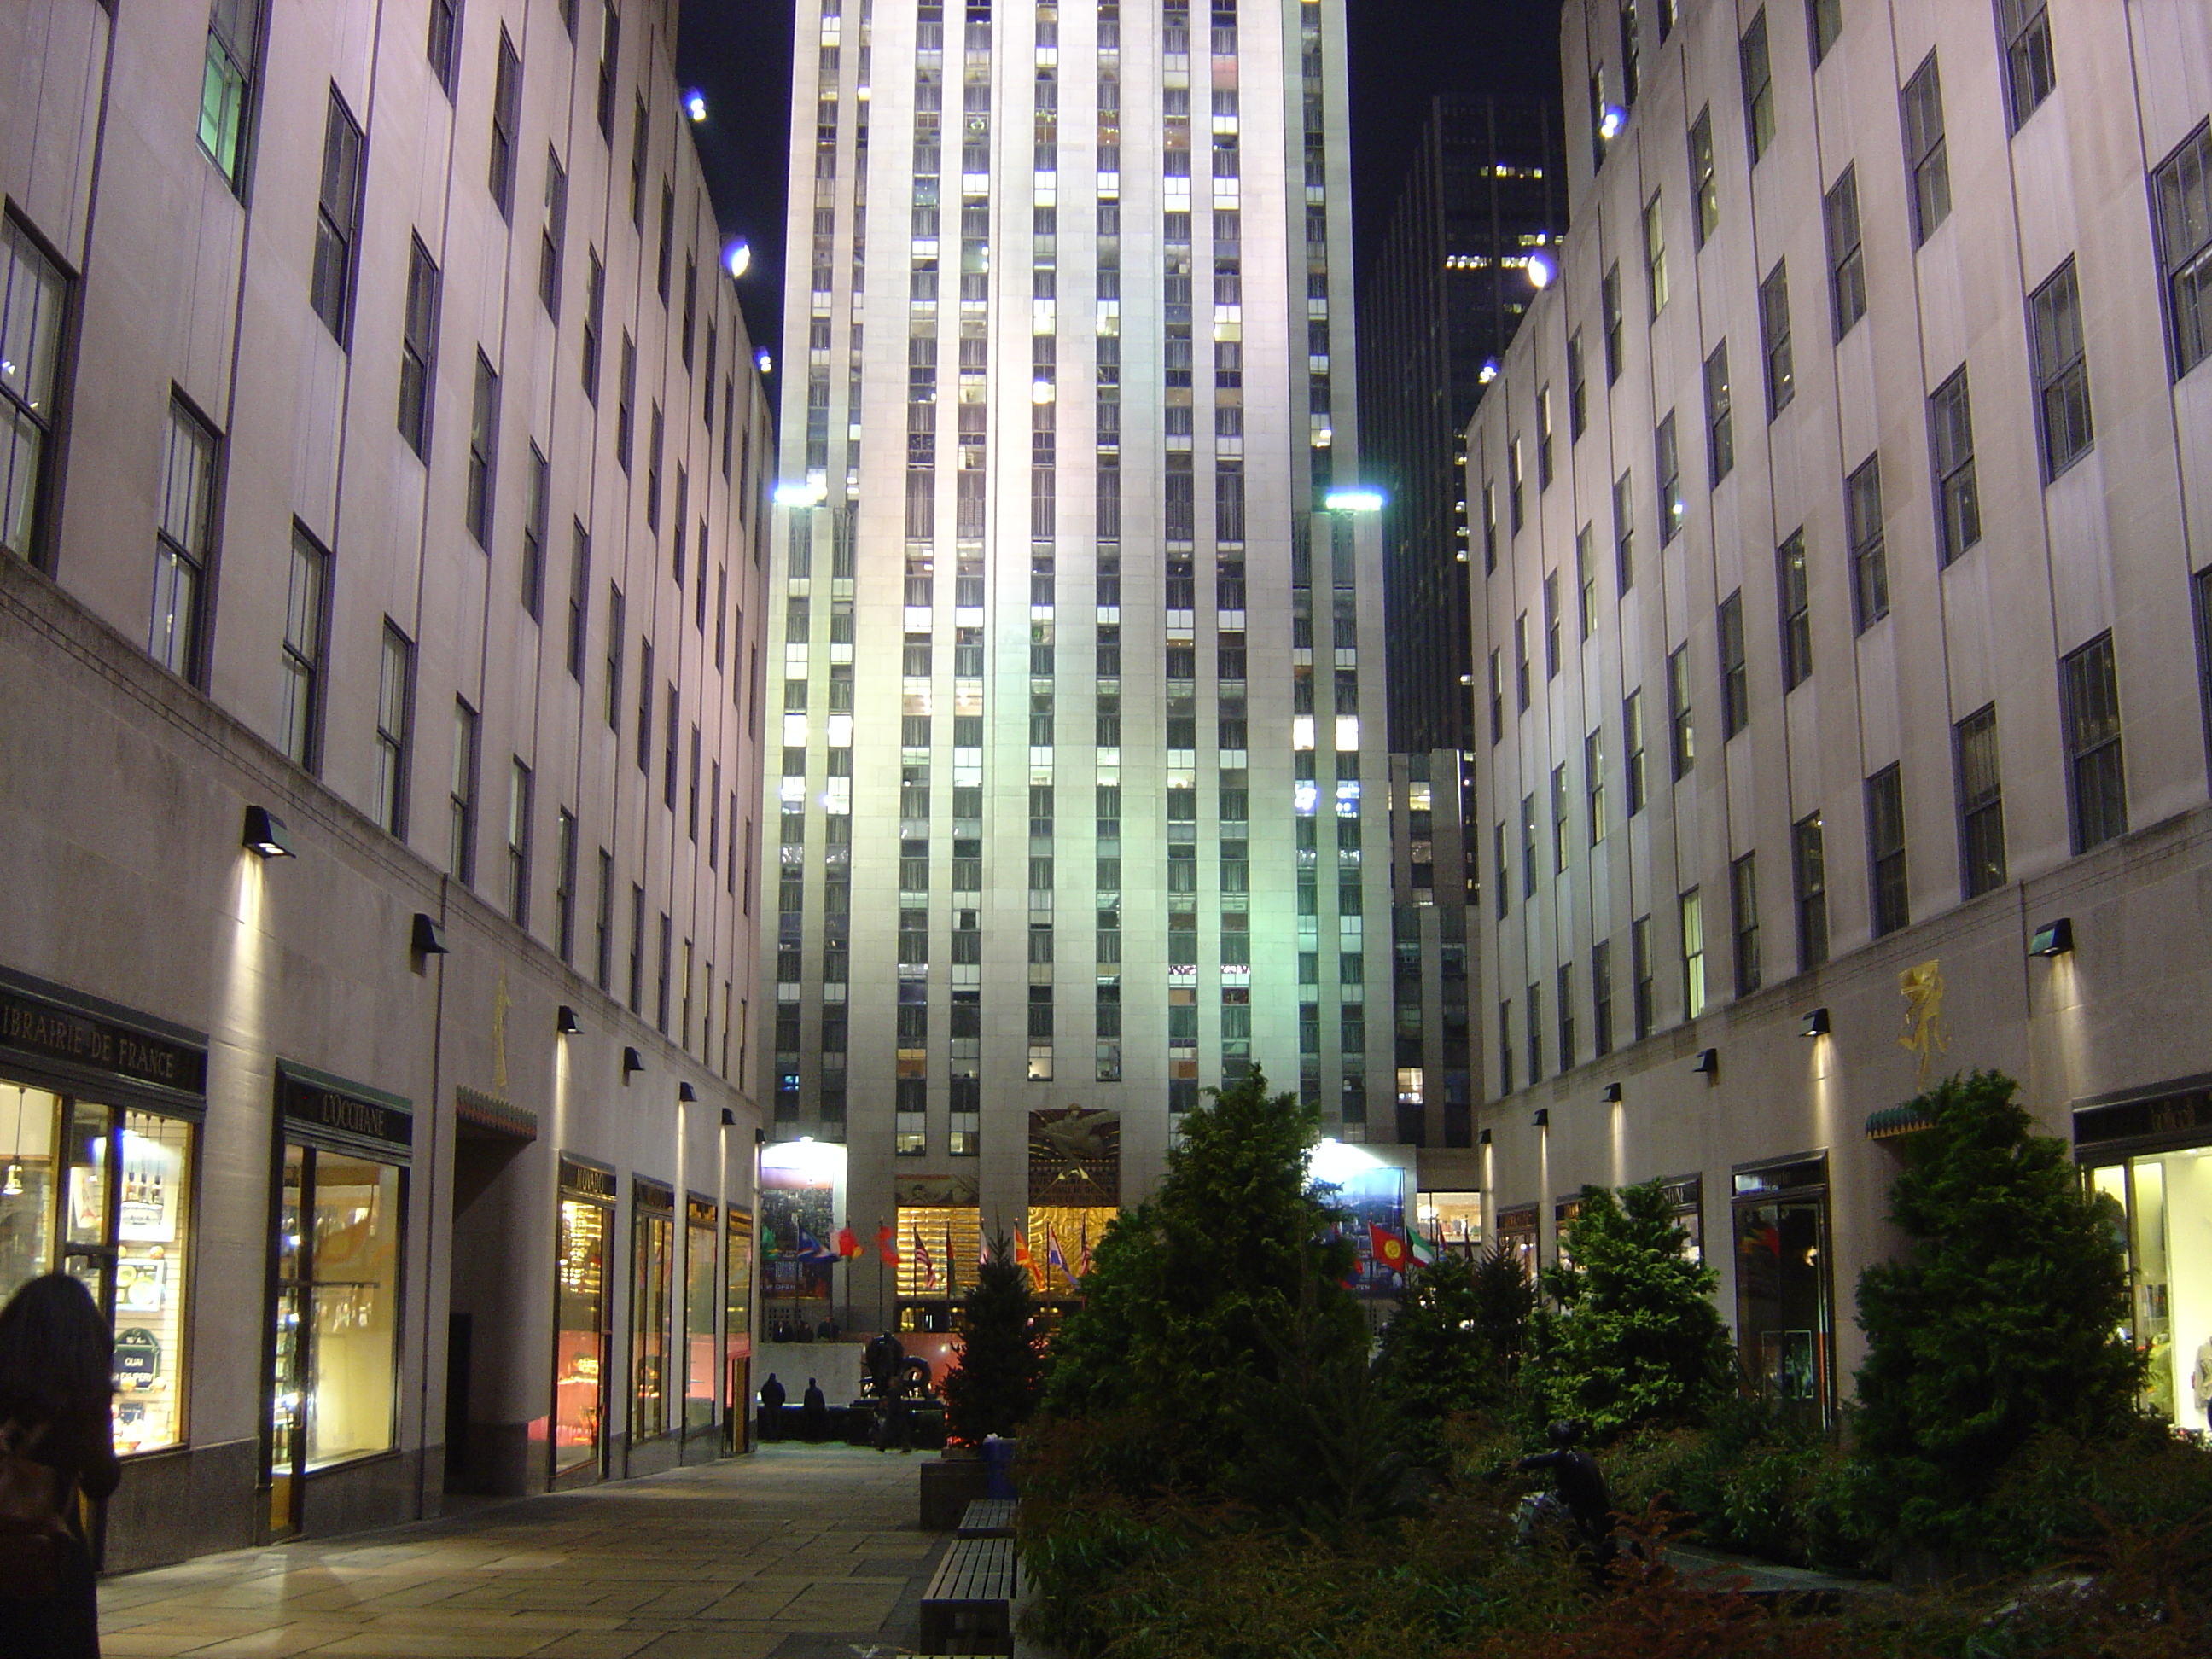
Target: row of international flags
<point>1395,1251</point>
<point>845,1245</point>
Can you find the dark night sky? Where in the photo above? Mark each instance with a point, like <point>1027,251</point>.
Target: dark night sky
<point>739,54</point>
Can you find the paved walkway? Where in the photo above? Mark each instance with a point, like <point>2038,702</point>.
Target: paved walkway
<point>795,1553</point>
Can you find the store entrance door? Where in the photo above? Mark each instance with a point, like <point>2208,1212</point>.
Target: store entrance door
<point>488,1364</point>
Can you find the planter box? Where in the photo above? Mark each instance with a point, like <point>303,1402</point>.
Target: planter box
<point>947,1488</point>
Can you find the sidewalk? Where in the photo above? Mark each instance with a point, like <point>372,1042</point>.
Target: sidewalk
<point>794,1553</point>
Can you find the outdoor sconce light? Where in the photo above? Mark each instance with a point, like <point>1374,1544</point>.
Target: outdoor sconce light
<point>1708,1063</point>
<point>729,1118</point>
<point>760,1136</point>
<point>1814,1024</point>
<point>1612,1095</point>
<point>1540,1118</point>
<point>429,938</point>
<point>566,1022</point>
<point>2053,938</point>
<point>1482,1138</point>
<point>265,834</point>
<point>1611,119</point>
<point>685,1091</point>
<point>632,1061</point>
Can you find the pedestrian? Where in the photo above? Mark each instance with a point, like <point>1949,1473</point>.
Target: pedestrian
<point>814,1413</point>
<point>771,1408</point>
<point>57,1356</point>
<point>899,1430</point>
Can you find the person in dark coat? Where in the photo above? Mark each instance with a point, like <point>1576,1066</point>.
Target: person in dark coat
<point>57,1356</point>
<point>814,1413</point>
<point>1579,1488</point>
<point>772,1397</point>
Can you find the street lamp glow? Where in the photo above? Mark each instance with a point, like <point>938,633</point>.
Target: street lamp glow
<point>1356,499</point>
<point>695,104</point>
<point>737,258</point>
<point>798,492</point>
<point>763,362</point>
<point>1542,270</point>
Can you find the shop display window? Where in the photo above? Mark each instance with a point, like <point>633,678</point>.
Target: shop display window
<point>339,1223</point>
<point>1517,1231</point>
<point>701,1292</point>
<point>652,1249</point>
<point>118,1219</point>
<point>1783,1301</point>
<point>1451,1220</point>
<point>580,1330</point>
<point>2163,1201</point>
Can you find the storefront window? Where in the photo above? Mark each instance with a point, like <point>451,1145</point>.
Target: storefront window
<point>737,1322</point>
<point>341,1215</point>
<point>580,1328</point>
<point>2166,1200</point>
<point>1452,1221</point>
<point>701,1293</point>
<point>652,1249</point>
<point>1516,1232</point>
<point>1782,1296</point>
<point>123,1235</point>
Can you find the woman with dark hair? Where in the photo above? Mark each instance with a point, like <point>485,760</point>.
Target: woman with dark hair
<point>57,1359</point>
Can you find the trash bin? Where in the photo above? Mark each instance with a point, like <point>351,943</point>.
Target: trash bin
<point>998,1461</point>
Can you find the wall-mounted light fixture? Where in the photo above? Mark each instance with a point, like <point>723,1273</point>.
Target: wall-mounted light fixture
<point>685,1091</point>
<point>565,1021</point>
<point>1482,1138</point>
<point>632,1061</point>
<point>729,1118</point>
<point>265,834</point>
<point>1540,1118</point>
<point>1709,1064</point>
<point>1610,120</point>
<point>1814,1024</point>
<point>428,938</point>
<point>2053,938</point>
<point>1612,1095</point>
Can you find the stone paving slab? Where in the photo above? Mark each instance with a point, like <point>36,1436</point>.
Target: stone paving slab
<point>796,1551</point>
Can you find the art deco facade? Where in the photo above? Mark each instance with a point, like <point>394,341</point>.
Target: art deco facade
<point>1081,752</point>
<point>1442,298</point>
<point>1842,636</point>
<point>381,488</point>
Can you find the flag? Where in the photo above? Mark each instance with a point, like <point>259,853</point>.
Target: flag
<point>887,1245</point>
<point>811,1249</point>
<point>848,1245</point>
<point>1083,1250</point>
<point>1388,1248</point>
<point>1423,1252</point>
<point>1053,1258</point>
<point>768,1251</point>
<point>924,1261</point>
<point>1024,1259</point>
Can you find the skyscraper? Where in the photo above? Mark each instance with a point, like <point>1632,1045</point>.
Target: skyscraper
<point>1438,309</point>
<point>1079,685</point>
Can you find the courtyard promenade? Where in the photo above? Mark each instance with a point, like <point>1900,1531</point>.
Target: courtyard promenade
<point>794,1553</point>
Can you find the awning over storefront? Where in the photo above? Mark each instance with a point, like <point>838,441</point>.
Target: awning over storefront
<point>1891,1121</point>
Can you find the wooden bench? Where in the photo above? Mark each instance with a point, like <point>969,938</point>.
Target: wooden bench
<point>967,1607</point>
<point>988,1517</point>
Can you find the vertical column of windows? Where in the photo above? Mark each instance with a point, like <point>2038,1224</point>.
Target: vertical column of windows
<point>1107,529</point>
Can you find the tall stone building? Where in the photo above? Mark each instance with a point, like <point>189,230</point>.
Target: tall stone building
<point>1081,761</point>
<point>1844,639</point>
<point>1486,194</point>
<point>379,626</point>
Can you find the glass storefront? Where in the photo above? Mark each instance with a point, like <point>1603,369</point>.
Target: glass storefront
<point>113,1211</point>
<point>736,1323</point>
<point>1451,1221</point>
<point>702,1290</point>
<point>582,1329</point>
<point>341,1216</point>
<point>652,1254</point>
<point>1783,1317</point>
<point>2151,1157</point>
<point>1517,1231</point>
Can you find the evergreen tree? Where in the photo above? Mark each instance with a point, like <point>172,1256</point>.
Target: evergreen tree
<point>1455,1341</point>
<point>1184,1292</point>
<point>1000,1376</point>
<point>2006,1316</point>
<point>1636,1338</point>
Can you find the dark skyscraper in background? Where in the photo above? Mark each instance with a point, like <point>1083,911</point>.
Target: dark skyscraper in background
<point>1440,298</point>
